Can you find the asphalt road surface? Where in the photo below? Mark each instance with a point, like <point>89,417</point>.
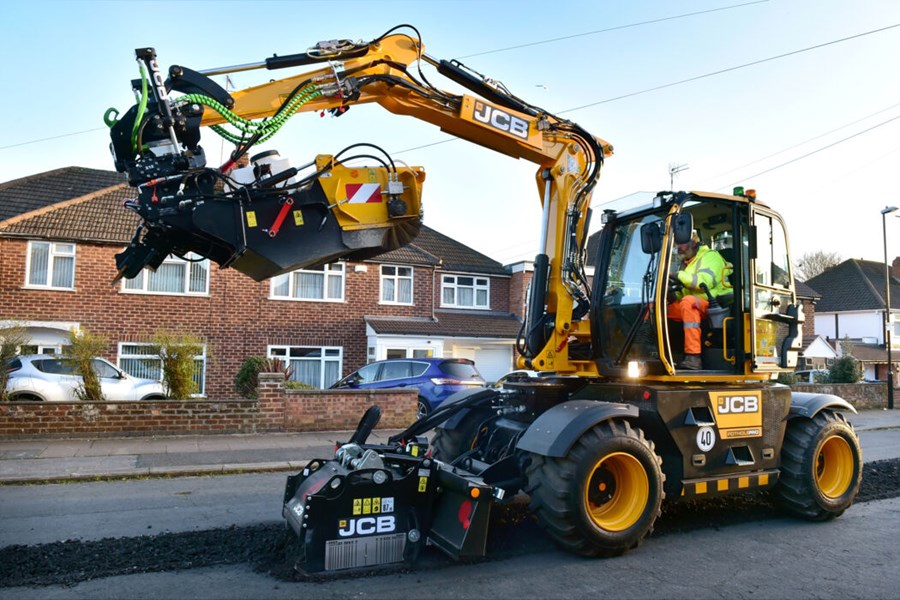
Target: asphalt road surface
<point>218,537</point>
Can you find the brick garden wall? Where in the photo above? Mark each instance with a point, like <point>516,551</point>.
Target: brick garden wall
<point>276,410</point>
<point>860,395</point>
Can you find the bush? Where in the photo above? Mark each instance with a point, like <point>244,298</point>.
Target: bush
<point>176,352</point>
<point>246,381</point>
<point>787,378</point>
<point>83,347</point>
<point>10,340</point>
<point>845,369</point>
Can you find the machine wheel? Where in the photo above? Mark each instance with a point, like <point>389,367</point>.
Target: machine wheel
<point>821,467</point>
<point>604,496</point>
<point>449,444</point>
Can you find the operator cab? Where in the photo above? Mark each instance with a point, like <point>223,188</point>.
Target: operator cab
<point>752,324</point>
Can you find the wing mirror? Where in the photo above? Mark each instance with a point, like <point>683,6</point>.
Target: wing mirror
<point>683,227</point>
<point>651,238</point>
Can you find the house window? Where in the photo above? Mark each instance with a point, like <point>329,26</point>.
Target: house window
<point>325,283</point>
<point>188,276</point>
<point>396,285</point>
<point>317,366</point>
<point>140,360</point>
<point>51,265</point>
<point>40,349</point>
<point>465,291</point>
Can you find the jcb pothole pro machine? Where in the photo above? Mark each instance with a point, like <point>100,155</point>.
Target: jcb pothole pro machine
<point>611,425</point>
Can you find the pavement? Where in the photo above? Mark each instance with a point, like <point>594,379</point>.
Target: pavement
<point>38,460</point>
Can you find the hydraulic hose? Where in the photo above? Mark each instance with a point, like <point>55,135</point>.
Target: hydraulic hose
<point>142,108</point>
<point>265,129</point>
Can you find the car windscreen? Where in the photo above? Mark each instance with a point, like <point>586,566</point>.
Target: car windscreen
<point>460,370</point>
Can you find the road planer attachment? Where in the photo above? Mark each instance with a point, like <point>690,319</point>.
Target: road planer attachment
<point>375,505</point>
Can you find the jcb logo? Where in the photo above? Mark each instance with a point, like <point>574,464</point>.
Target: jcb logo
<point>500,119</point>
<point>157,77</point>
<point>367,526</point>
<point>727,405</point>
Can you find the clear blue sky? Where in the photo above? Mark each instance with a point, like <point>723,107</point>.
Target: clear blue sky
<point>65,62</point>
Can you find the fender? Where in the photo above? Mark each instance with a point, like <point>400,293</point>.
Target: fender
<point>556,431</point>
<point>809,404</point>
<point>453,421</point>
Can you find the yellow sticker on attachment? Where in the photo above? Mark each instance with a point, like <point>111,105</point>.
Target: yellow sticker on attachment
<point>423,484</point>
<point>298,218</point>
<point>251,218</point>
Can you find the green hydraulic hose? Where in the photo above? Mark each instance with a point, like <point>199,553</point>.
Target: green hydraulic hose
<point>142,108</point>
<point>265,129</point>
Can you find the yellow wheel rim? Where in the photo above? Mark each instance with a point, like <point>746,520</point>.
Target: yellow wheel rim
<point>834,467</point>
<point>617,492</point>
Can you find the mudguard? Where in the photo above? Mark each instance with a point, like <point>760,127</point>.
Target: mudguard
<point>454,420</point>
<point>555,431</point>
<point>808,404</point>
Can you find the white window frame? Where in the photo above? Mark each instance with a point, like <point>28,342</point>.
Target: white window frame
<point>199,358</point>
<point>338,269</point>
<point>53,252</point>
<point>396,277</point>
<point>283,353</point>
<point>446,283</point>
<point>189,261</point>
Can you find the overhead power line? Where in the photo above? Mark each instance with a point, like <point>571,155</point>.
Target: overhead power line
<point>816,151</point>
<point>729,69</point>
<point>55,137</point>
<point>797,145</point>
<point>681,16</point>
<point>616,28</point>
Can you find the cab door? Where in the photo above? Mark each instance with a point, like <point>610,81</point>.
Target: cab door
<point>775,314</point>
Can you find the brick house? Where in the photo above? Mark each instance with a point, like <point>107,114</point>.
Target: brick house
<point>852,307</point>
<point>60,231</point>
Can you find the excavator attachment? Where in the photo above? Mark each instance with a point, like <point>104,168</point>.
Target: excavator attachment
<point>382,504</point>
<point>266,219</point>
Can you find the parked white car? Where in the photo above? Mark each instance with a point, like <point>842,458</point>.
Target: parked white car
<point>49,378</point>
<point>812,376</point>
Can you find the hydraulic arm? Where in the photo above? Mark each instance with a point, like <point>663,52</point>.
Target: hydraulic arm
<point>269,218</point>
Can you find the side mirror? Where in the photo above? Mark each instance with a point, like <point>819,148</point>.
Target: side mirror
<point>651,238</point>
<point>683,227</point>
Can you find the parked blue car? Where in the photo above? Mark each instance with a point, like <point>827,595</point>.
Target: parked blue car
<point>435,378</point>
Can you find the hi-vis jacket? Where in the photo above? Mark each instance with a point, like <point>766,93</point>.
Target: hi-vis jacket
<point>707,267</point>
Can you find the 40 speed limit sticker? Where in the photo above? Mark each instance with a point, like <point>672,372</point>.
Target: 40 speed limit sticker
<point>706,438</point>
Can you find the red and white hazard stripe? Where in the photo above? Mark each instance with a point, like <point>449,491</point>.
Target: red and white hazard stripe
<point>363,193</point>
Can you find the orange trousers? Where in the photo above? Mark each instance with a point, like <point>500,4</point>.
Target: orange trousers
<point>690,310</point>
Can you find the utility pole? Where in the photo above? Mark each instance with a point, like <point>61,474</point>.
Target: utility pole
<point>888,325</point>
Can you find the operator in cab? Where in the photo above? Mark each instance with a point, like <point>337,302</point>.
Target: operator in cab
<point>696,265</point>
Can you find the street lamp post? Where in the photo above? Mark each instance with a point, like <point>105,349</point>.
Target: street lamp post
<point>887,308</point>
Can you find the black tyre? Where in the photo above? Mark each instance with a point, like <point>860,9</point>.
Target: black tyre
<point>604,496</point>
<point>821,467</point>
<point>449,444</point>
<point>25,397</point>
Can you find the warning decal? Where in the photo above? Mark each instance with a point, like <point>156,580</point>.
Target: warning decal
<point>363,193</point>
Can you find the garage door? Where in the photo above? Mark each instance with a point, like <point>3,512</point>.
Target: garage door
<point>494,362</point>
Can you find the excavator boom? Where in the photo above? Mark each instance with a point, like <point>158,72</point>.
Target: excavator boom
<point>268,218</point>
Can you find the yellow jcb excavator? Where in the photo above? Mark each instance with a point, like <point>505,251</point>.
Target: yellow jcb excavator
<point>611,427</point>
